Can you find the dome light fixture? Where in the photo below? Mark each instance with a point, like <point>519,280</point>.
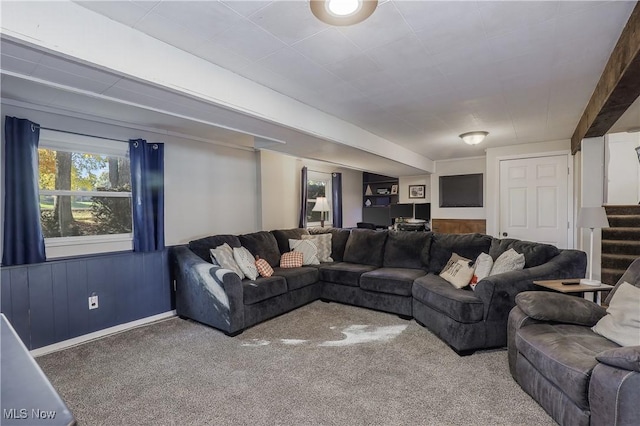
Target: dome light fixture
<point>342,12</point>
<point>473,138</point>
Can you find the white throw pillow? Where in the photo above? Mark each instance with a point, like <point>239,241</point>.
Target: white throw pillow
<point>246,262</point>
<point>223,255</point>
<point>484,263</point>
<point>308,249</point>
<point>510,260</point>
<point>622,322</point>
<point>323,242</point>
<point>458,271</point>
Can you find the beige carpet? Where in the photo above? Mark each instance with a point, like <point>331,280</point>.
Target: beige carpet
<point>321,364</point>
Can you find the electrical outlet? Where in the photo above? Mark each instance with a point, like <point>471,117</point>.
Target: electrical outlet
<point>93,302</point>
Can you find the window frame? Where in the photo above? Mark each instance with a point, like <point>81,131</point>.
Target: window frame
<point>321,177</point>
<point>60,247</point>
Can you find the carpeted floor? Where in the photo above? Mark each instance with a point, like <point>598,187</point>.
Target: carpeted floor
<point>321,364</point>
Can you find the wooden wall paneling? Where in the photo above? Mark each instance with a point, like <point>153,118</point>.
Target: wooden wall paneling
<point>42,320</point>
<point>5,293</point>
<point>152,283</point>
<point>77,297</point>
<point>60,301</point>
<point>100,275</point>
<point>20,304</point>
<point>459,226</point>
<point>127,288</point>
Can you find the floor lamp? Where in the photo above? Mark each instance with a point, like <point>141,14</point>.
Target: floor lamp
<point>592,218</point>
<point>322,206</point>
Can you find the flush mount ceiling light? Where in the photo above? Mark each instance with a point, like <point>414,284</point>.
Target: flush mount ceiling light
<point>342,12</point>
<point>473,138</point>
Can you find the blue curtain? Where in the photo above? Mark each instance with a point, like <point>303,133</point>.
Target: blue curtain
<point>336,195</point>
<point>147,191</point>
<point>303,198</point>
<point>23,241</point>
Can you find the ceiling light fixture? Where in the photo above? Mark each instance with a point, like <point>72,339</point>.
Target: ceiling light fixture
<point>342,12</point>
<point>473,138</point>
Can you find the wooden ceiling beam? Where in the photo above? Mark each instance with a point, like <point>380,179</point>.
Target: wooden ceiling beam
<point>618,87</point>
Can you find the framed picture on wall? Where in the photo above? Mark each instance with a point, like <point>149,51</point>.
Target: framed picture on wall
<point>416,191</point>
<point>394,189</point>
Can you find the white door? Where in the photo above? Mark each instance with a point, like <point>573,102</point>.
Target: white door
<point>534,203</point>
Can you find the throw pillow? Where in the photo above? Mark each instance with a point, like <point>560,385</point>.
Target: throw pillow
<point>484,263</point>
<point>622,322</point>
<point>308,249</point>
<point>263,267</point>
<point>244,259</point>
<point>223,255</point>
<point>458,271</point>
<point>323,242</point>
<point>510,260</point>
<point>292,259</point>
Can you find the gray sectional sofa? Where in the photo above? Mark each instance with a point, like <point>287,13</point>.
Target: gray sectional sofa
<point>391,271</point>
<point>578,377</point>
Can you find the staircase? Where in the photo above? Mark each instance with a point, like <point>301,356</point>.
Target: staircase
<point>620,242</point>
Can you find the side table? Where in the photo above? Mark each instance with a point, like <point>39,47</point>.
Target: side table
<point>575,289</point>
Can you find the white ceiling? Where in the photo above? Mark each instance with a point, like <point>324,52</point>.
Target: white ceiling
<point>417,73</point>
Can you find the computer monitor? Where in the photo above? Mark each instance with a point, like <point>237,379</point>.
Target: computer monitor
<point>423,211</point>
<point>404,210</point>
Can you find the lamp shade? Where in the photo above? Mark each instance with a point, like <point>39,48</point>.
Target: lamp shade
<point>322,205</point>
<point>592,217</point>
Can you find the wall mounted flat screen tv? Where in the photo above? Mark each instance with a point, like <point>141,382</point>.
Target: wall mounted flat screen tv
<point>461,190</point>
<point>423,211</point>
<point>404,210</point>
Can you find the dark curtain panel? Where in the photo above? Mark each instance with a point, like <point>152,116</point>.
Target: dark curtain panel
<point>336,195</point>
<point>23,241</point>
<point>147,191</point>
<point>303,198</point>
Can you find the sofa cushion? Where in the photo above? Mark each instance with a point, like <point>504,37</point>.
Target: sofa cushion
<point>622,322</point>
<point>202,246</point>
<point>262,244</point>
<point>298,277</point>
<point>564,354</point>
<point>262,289</point>
<point>535,254</point>
<point>461,305</point>
<point>508,261</point>
<point>366,247</point>
<point>263,268</point>
<point>246,262</point>
<point>631,276</point>
<point>283,236</point>
<point>466,245</point>
<point>308,249</point>
<point>407,250</point>
<point>344,273</point>
<point>339,239</point>
<point>323,243</point>
<point>458,271</point>
<point>390,280</point>
<point>627,358</point>
<point>223,256</point>
<point>291,259</point>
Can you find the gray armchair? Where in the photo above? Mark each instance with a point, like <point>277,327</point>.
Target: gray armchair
<point>579,377</point>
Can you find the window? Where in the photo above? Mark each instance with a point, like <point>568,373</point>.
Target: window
<point>85,194</point>
<point>318,185</point>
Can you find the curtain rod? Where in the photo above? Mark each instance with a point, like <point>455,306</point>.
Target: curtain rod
<point>77,133</point>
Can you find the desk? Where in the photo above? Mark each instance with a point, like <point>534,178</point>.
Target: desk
<point>577,289</point>
<point>27,396</point>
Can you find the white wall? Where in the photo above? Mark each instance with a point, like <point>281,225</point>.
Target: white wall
<point>461,166</point>
<point>403,190</point>
<point>492,177</point>
<point>279,182</point>
<point>622,168</point>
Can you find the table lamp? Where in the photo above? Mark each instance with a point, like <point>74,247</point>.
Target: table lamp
<point>322,205</point>
<point>592,217</point>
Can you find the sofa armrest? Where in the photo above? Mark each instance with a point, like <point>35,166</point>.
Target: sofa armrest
<point>498,292</point>
<point>558,307</point>
<point>626,358</point>
<point>207,293</point>
<point>613,396</point>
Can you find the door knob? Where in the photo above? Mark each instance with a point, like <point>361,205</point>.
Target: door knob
<point>504,234</point>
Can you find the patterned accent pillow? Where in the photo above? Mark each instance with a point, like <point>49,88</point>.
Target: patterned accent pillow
<point>308,249</point>
<point>484,263</point>
<point>292,259</point>
<point>510,260</point>
<point>223,255</point>
<point>323,242</point>
<point>244,259</point>
<point>263,267</point>
<point>458,271</point>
